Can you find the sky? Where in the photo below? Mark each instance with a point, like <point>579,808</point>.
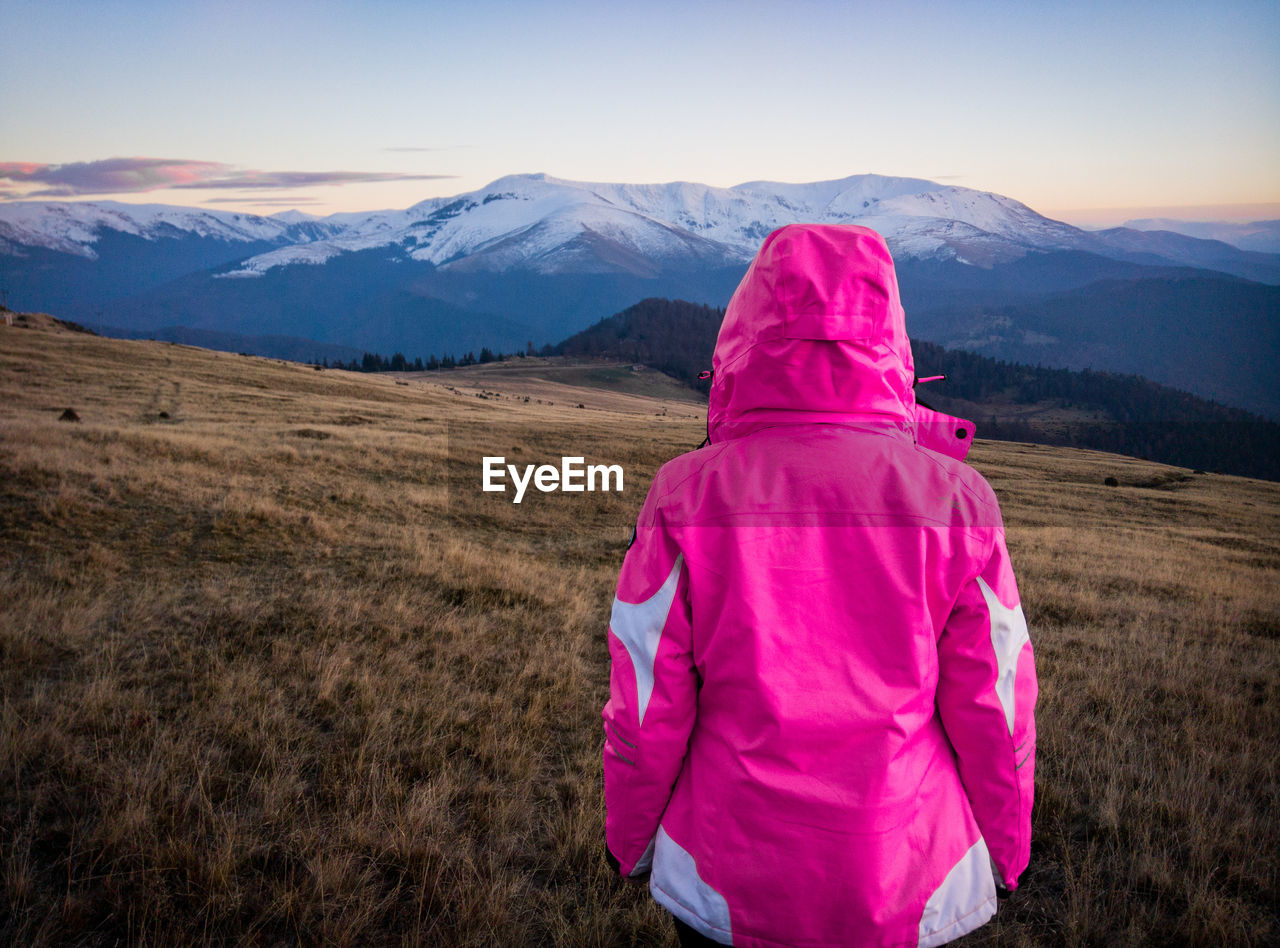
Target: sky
<point>1089,112</point>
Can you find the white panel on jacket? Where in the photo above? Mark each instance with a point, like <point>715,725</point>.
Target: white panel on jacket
<point>1008,635</point>
<point>639,625</point>
<point>965,900</point>
<point>675,883</point>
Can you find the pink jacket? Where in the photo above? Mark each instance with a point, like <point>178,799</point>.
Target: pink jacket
<point>820,728</point>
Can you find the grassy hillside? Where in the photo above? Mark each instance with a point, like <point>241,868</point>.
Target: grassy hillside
<point>274,670</point>
<point>551,377</point>
<point>1209,334</point>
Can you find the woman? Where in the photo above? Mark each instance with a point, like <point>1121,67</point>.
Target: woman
<point>820,729</point>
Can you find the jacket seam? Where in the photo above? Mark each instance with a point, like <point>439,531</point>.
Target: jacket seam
<point>668,490</point>
<point>956,475</point>
<point>953,475</point>
<point>916,520</point>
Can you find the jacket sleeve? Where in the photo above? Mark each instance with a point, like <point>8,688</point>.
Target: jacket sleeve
<point>653,690</point>
<point>986,698</point>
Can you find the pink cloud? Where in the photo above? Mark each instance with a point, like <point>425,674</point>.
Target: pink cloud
<point>281,202</point>
<point>132,175</point>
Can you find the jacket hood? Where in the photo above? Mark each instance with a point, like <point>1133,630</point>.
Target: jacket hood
<point>815,332</point>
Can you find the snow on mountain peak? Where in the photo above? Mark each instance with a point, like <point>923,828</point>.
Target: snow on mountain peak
<point>294,216</point>
<point>74,227</point>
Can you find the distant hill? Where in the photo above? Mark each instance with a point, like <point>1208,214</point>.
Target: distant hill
<point>1258,236</point>
<point>40,321</point>
<point>1210,334</point>
<point>672,336</point>
<point>1126,414</point>
<point>274,347</point>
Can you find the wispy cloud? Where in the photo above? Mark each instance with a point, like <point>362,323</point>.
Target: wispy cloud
<point>113,175</point>
<point>413,148</point>
<point>284,180</point>
<point>283,202</point>
<point>132,175</point>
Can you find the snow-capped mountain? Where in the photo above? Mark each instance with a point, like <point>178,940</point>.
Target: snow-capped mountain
<point>552,226</point>
<point>75,228</point>
<point>549,225</point>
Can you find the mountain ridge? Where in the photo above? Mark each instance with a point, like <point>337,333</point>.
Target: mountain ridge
<point>530,217</point>
<point>531,259</point>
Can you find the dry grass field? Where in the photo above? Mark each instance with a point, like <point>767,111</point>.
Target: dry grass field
<point>595,384</point>
<point>274,671</point>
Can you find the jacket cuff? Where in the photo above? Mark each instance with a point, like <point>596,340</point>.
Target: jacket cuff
<point>640,870</point>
